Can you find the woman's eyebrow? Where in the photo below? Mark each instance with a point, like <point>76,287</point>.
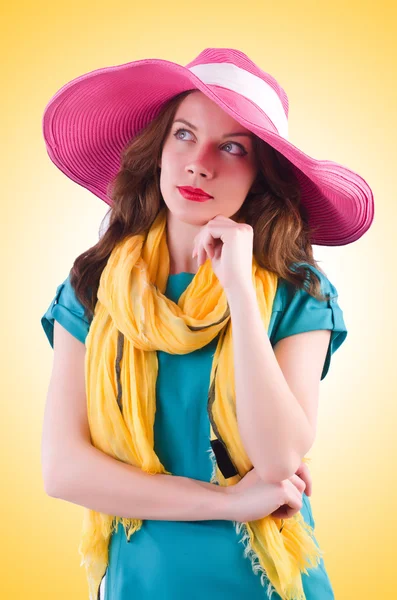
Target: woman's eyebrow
<point>240,133</point>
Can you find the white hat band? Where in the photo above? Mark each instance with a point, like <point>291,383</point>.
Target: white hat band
<point>245,83</point>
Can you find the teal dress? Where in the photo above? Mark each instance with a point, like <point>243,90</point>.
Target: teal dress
<point>173,560</point>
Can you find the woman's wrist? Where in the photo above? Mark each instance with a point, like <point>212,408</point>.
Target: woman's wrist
<point>223,501</point>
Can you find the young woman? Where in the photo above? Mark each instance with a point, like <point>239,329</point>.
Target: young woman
<point>190,341</point>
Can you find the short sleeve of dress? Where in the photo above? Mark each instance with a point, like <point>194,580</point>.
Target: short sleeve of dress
<point>298,311</point>
<point>68,311</point>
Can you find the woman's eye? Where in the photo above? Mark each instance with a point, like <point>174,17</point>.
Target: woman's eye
<point>228,143</point>
<point>178,131</point>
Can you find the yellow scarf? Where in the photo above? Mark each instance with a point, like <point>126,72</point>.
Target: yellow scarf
<point>132,320</point>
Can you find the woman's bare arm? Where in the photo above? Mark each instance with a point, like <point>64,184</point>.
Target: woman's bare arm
<point>75,471</point>
<point>100,482</point>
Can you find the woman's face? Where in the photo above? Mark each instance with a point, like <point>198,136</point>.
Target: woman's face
<point>204,155</point>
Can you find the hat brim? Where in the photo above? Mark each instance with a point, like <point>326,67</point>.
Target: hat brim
<point>91,119</point>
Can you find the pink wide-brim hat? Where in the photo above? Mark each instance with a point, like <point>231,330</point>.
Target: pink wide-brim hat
<point>90,120</point>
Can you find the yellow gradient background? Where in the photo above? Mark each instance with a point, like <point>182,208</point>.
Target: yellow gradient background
<point>337,63</point>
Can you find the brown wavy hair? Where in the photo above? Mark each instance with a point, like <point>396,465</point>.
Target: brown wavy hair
<point>273,208</point>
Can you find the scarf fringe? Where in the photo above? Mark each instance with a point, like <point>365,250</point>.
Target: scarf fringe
<point>298,553</point>
<point>94,544</point>
<point>250,553</point>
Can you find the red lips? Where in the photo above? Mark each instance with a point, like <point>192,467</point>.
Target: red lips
<point>195,191</point>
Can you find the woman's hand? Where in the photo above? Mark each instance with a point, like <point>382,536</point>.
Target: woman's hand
<point>304,478</point>
<point>229,246</point>
<point>251,498</point>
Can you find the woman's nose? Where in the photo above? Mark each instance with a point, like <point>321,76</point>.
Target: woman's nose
<point>202,163</point>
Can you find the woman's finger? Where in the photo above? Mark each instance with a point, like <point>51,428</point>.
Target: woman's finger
<point>294,504</point>
<point>304,473</point>
<point>208,243</point>
<point>298,483</point>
